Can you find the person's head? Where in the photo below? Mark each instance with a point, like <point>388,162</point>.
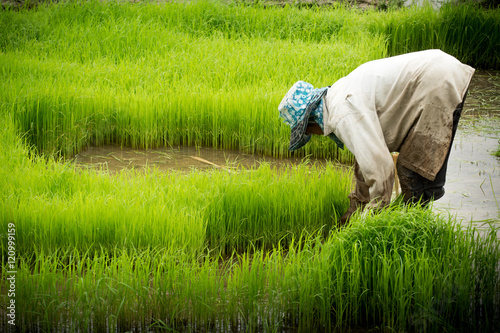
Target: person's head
<point>297,108</point>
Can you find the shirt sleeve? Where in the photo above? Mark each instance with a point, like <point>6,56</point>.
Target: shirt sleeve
<point>362,135</point>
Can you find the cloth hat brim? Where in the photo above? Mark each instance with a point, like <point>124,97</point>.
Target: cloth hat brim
<point>296,108</point>
<point>298,138</point>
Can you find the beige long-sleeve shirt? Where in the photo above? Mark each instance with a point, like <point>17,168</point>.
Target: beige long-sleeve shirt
<point>399,104</point>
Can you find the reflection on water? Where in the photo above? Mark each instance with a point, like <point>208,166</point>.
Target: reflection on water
<point>473,179</point>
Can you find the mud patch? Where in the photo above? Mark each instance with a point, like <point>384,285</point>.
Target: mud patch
<point>114,158</point>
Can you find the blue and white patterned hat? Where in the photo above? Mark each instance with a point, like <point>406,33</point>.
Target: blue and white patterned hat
<point>296,107</point>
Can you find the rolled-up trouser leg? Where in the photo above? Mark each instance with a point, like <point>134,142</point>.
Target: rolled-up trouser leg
<point>416,188</point>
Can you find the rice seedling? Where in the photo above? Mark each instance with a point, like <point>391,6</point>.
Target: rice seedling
<point>61,207</point>
<point>271,210</point>
<point>404,269</point>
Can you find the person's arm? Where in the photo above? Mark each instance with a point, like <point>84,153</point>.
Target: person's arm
<point>362,135</point>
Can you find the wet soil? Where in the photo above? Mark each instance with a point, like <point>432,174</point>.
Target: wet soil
<point>113,158</point>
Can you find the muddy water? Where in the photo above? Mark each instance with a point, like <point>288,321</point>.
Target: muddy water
<point>473,179</point>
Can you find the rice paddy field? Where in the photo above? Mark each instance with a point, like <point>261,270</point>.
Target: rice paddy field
<point>248,249</point>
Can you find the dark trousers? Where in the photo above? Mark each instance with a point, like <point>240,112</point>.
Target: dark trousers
<point>416,188</point>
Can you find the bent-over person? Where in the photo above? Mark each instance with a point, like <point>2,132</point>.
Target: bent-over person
<point>410,104</point>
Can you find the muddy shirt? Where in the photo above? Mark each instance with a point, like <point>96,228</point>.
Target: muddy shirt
<point>399,104</point>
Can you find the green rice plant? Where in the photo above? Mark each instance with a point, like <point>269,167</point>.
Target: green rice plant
<point>265,211</point>
<point>388,272</point>
<point>404,269</point>
<point>182,99</point>
<point>179,211</point>
<point>198,18</point>
<point>143,76</point>
<point>138,75</point>
<point>468,32</point>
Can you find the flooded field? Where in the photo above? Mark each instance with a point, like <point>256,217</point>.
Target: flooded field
<point>473,179</point>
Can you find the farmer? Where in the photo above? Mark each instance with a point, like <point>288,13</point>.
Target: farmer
<point>409,104</point>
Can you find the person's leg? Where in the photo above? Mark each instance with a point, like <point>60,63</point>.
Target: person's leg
<point>413,186</point>
<point>416,188</point>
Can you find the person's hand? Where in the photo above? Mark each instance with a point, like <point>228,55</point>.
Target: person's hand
<point>344,220</point>
<point>354,206</point>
